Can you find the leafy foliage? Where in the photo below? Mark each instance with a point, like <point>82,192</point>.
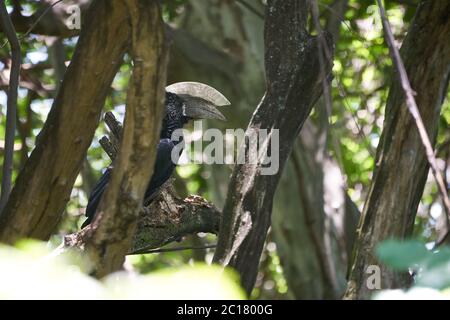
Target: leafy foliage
<point>31,271</point>
<point>431,268</point>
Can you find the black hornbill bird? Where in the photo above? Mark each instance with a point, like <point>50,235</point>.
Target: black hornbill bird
<point>184,101</point>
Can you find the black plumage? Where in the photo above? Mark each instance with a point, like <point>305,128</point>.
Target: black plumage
<point>184,101</point>
<point>164,166</point>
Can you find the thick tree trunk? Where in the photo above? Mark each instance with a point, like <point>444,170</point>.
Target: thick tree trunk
<point>43,186</point>
<point>239,32</point>
<point>111,235</point>
<point>401,163</point>
<point>294,83</point>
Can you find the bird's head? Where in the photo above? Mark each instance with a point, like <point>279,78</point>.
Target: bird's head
<point>194,100</point>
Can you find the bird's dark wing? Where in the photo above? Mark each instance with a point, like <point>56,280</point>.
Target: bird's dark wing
<point>95,197</point>
<point>163,167</point>
<point>162,171</point>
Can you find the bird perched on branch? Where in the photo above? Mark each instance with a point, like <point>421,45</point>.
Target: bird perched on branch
<point>185,101</point>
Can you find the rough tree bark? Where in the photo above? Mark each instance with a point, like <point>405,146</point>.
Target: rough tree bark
<point>168,217</point>
<point>11,113</point>
<point>43,186</point>
<point>293,79</point>
<point>232,28</point>
<point>165,219</point>
<point>401,163</point>
<point>314,220</point>
<point>110,237</point>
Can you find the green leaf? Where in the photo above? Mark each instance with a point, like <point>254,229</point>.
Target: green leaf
<point>31,271</point>
<point>436,270</point>
<point>401,255</point>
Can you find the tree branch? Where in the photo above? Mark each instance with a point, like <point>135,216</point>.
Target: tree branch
<point>11,112</point>
<point>43,186</point>
<point>166,219</point>
<point>174,249</point>
<point>293,86</point>
<point>111,234</point>
<point>414,110</point>
<point>402,166</point>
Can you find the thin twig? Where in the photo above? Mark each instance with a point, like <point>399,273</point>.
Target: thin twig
<point>160,250</point>
<point>444,174</point>
<point>35,22</point>
<point>324,52</point>
<point>354,117</point>
<point>340,87</point>
<point>11,113</point>
<point>413,109</point>
<point>40,17</point>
